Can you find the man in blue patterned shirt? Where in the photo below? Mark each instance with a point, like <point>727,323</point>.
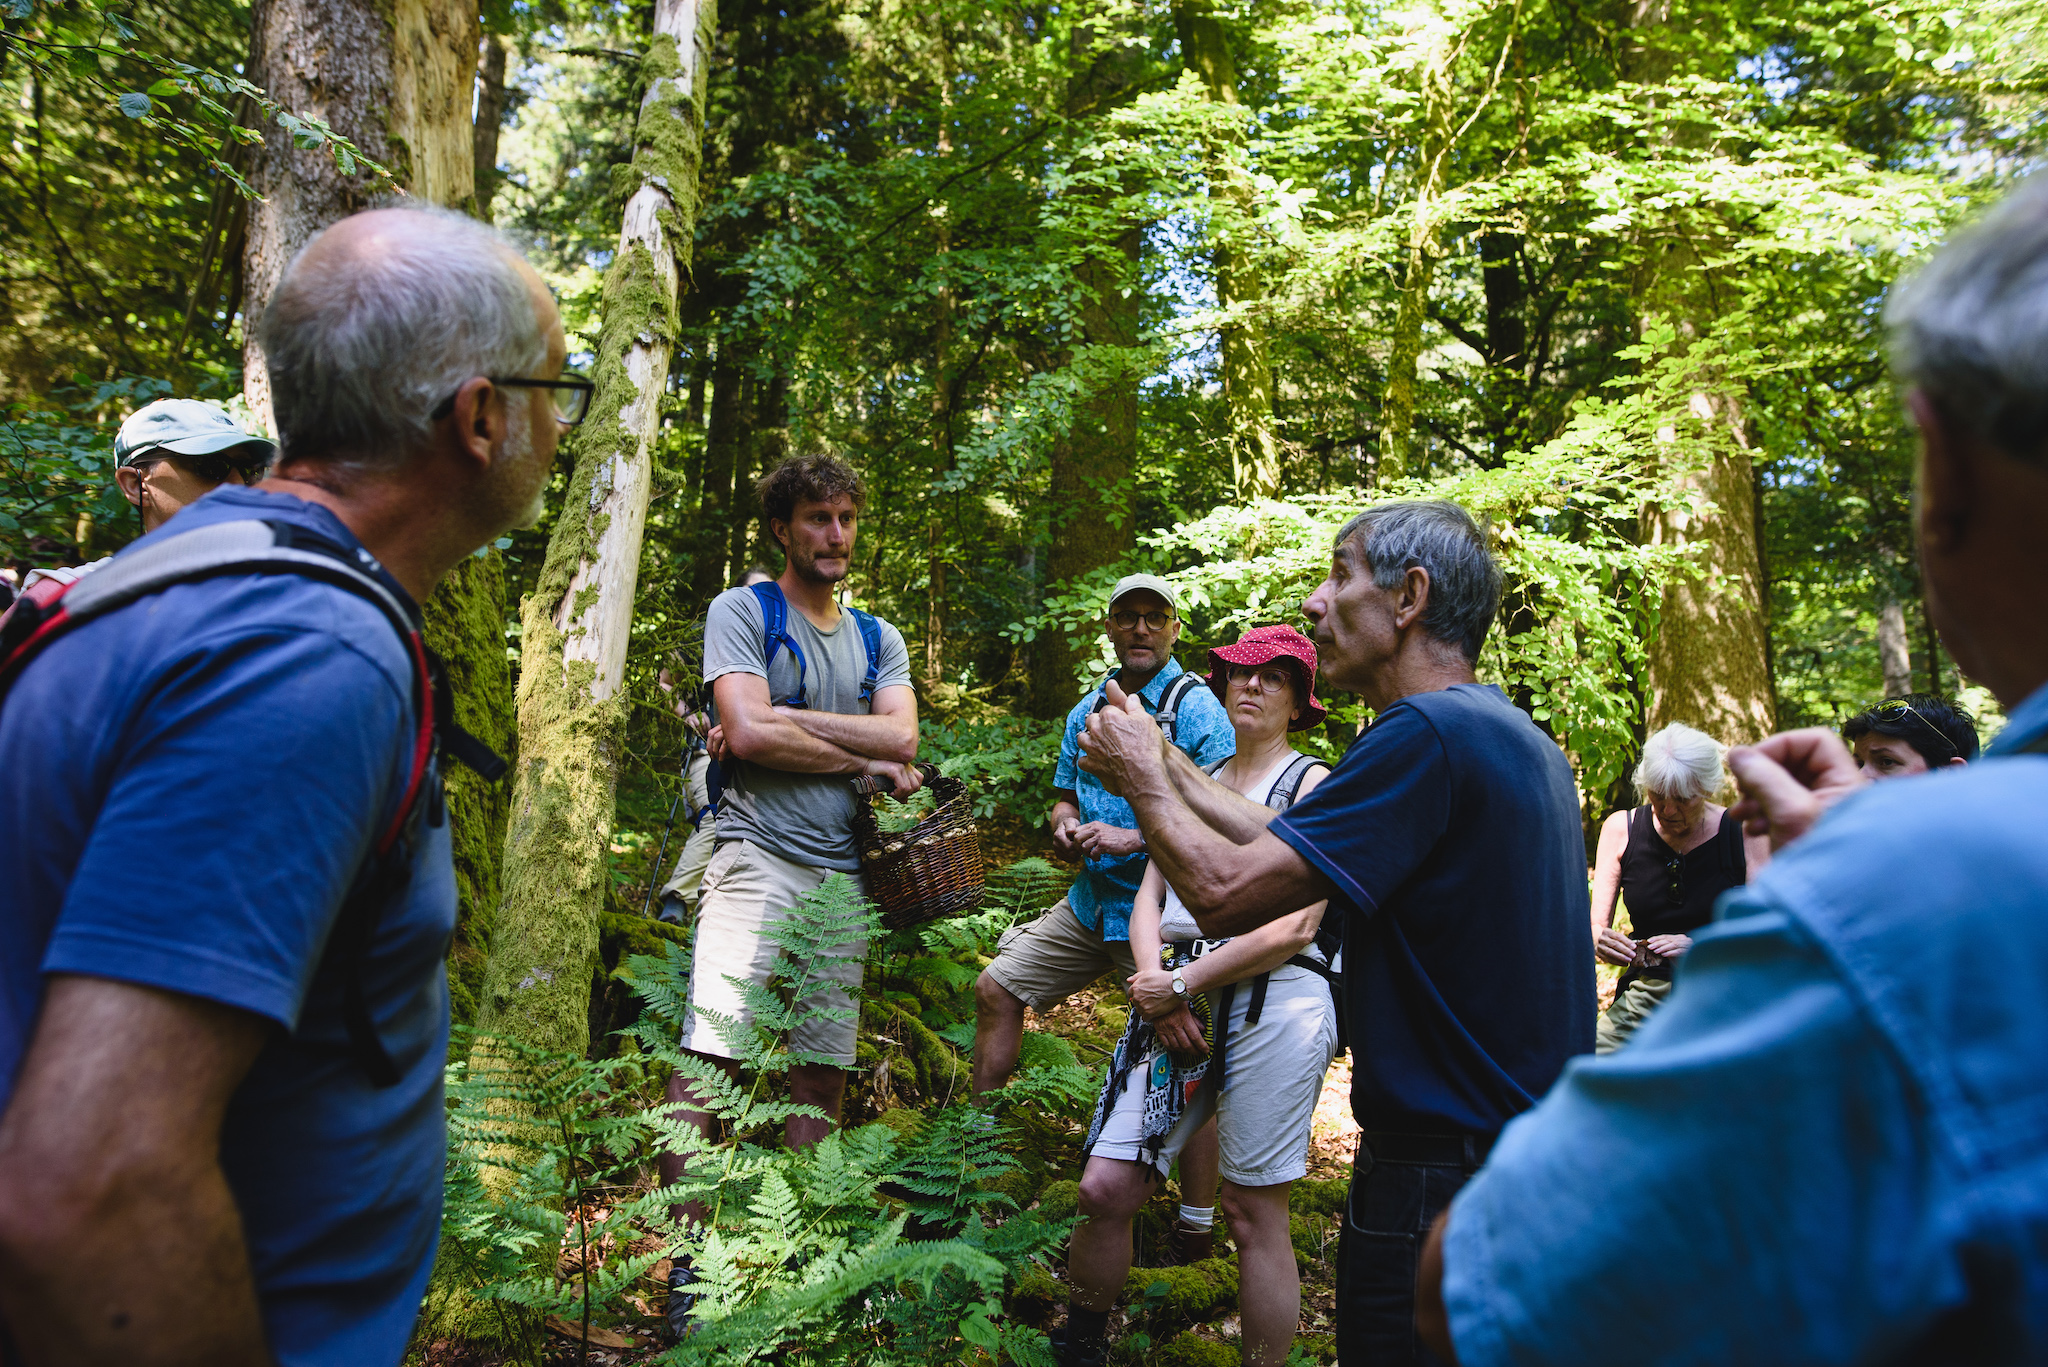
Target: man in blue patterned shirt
<point>1087,933</point>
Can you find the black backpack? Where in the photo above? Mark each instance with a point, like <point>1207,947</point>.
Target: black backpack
<point>49,609</point>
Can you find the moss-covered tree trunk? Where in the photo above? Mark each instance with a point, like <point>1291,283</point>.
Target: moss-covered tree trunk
<point>576,624</point>
<point>1247,370</point>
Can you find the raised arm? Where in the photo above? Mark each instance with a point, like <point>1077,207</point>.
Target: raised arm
<point>888,732</point>
<point>1223,809</point>
<point>1229,887</point>
<point>119,1239</point>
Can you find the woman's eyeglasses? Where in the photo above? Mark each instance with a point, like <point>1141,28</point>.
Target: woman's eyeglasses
<point>570,396</point>
<point>1271,680</point>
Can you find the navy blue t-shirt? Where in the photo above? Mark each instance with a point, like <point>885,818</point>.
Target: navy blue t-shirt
<point>1451,830</point>
<point>187,789</point>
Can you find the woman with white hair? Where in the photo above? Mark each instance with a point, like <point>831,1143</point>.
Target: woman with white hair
<point>1669,860</point>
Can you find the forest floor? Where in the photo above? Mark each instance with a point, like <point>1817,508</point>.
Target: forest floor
<point>1188,1316</point>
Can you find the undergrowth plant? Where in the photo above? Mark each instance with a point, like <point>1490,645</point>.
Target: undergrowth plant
<point>883,1244</point>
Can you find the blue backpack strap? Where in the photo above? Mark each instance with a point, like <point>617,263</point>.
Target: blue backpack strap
<point>871,637</point>
<point>775,632</point>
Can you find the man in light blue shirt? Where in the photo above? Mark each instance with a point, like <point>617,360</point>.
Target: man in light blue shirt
<point>1831,1144</point>
<point>1087,933</point>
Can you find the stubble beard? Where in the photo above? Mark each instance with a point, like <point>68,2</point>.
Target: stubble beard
<point>806,567</point>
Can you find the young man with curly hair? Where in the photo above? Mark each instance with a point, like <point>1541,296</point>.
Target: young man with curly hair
<point>806,695</point>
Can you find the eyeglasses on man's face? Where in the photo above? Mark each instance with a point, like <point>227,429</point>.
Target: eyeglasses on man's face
<point>1123,619</point>
<point>570,395</point>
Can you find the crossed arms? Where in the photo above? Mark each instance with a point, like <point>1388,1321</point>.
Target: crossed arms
<point>802,741</point>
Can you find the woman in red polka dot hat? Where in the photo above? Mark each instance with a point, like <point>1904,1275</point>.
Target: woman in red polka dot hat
<point>1241,1029</point>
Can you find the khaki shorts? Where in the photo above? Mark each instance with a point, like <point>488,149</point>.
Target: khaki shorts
<point>1052,958</point>
<point>746,890</point>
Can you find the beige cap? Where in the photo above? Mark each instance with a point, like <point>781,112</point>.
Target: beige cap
<point>1132,582</point>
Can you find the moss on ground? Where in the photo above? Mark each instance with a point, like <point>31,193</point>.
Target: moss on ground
<point>1196,1292</point>
<point>1192,1350</point>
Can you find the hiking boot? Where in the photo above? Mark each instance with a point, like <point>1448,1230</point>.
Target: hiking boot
<point>1078,1354</point>
<point>1190,1245</point>
<point>681,1300</point>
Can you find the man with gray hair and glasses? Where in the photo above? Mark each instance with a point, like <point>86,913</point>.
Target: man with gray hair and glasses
<point>1448,838</point>
<point>1830,1145</point>
<point>223,1010</point>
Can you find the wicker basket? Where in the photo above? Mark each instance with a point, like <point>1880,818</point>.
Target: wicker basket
<point>931,871</point>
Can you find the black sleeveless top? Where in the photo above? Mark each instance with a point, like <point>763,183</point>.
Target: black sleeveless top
<point>1674,894</point>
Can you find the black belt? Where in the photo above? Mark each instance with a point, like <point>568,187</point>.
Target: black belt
<point>1428,1150</point>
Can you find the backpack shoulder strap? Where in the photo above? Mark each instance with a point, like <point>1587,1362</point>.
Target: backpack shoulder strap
<point>255,546</point>
<point>1288,786</point>
<point>1168,715</point>
<point>775,635</point>
<point>871,638</point>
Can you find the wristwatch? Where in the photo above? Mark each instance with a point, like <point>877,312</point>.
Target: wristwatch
<point>1180,985</point>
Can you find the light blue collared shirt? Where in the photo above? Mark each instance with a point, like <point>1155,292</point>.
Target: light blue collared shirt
<point>1105,889</point>
<point>1830,1144</point>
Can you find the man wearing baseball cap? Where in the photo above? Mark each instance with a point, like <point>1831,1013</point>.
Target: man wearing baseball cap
<point>171,453</point>
<point>1087,933</point>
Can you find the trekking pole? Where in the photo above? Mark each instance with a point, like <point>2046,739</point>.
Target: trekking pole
<point>661,857</point>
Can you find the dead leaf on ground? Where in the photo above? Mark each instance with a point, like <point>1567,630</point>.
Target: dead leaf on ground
<point>599,1335</point>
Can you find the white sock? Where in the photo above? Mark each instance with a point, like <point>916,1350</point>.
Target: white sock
<point>1198,1217</point>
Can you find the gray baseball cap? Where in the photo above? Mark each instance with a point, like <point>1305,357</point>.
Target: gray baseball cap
<point>184,427</point>
<point>1130,583</point>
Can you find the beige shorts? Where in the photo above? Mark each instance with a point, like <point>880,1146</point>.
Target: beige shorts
<point>1273,1076</point>
<point>1050,959</point>
<point>746,890</point>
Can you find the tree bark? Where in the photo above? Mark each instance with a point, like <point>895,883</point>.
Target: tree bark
<point>716,505</point>
<point>1404,352</point>
<point>1892,653</point>
<point>396,80</point>
<point>576,624</point>
<point>1247,369</point>
<point>490,117</point>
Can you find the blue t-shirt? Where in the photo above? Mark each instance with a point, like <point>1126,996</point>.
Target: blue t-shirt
<point>187,789</point>
<point>1451,832</point>
<point>1830,1143</point>
<point>1104,890</point>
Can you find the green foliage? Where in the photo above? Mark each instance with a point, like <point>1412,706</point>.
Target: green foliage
<point>1007,762</point>
<point>887,1243</point>
<point>57,468</point>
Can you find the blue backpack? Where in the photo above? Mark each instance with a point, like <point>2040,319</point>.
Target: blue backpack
<point>775,629</point>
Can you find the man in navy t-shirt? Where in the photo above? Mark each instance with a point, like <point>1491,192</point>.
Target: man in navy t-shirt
<point>1449,837</point>
<point>195,1165</point>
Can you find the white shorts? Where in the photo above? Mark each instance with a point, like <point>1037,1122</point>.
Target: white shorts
<point>746,890</point>
<point>1272,1077</point>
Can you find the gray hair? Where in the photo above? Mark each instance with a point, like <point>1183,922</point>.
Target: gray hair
<point>1442,538</point>
<point>362,349</point>
<point>1682,763</point>
<point>1970,328</point>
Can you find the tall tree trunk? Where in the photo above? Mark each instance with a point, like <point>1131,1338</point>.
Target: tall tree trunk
<point>1094,462</point>
<point>716,504</point>
<point>490,117</point>
<point>1892,653</point>
<point>397,79</point>
<point>1247,371</point>
<point>1398,400</point>
<point>1709,662</point>
<point>576,624</point>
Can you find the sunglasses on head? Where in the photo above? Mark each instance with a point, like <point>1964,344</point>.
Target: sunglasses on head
<point>1899,707</point>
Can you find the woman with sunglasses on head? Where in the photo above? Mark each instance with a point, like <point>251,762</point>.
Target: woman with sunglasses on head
<point>1258,1069</point>
<point>1669,861</point>
<point>1915,734</point>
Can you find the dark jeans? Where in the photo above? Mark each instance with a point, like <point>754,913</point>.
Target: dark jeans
<point>1393,1203</point>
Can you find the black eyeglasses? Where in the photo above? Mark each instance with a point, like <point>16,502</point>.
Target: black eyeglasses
<point>570,396</point>
<point>1897,707</point>
<point>214,468</point>
<point>1128,620</point>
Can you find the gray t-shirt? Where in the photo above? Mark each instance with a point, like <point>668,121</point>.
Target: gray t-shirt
<point>807,818</point>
